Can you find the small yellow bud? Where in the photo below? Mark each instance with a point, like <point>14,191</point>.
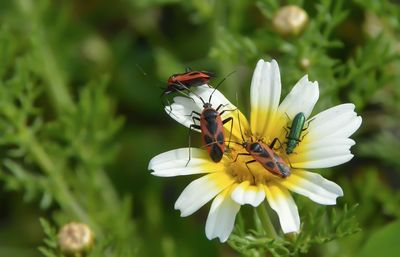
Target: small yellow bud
<point>373,25</point>
<point>305,63</point>
<point>96,49</point>
<point>75,239</point>
<point>290,20</point>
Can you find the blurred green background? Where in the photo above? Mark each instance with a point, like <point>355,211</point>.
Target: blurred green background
<point>63,48</point>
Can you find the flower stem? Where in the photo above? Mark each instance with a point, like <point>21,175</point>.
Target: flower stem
<point>266,221</point>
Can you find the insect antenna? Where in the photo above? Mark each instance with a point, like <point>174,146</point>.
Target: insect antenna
<point>164,100</point>
<point>168,102</point>
<point>238,113</point>
<point>144,73</point>
<point>141,69</point>
<point>183,93</point>
<point>191,91</point>
<point>219,83</point>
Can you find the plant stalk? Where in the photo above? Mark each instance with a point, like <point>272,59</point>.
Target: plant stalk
<point>266,221</point>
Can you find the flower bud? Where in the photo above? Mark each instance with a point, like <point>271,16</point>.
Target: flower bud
<point>75,239</point>
<point>305,63</point>
<point>373,25</point>
<point>290,20</point>
<point>96,49</point>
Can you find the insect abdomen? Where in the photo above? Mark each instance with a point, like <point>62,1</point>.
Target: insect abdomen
<point>213,133</point>
<point>268,159</point>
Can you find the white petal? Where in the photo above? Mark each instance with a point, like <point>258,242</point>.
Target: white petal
<point>200,191</point>
<point>301,98</point>
<point>182,108</point>
<point>313,186</point>
<point>318,154</point>
<point>340,121</point>
<point>283,204</point>
<point>326,142</point>
<point>175,163</point>
<point>221,218</point>
<point>323,163</point>
<point>264,96</point>
<point>327,115</point>
<point>246,194</point>
<point>349,129</point>
<point>326,152</point>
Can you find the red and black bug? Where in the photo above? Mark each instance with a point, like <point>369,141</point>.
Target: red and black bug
<point>211,127</point>
<point>265,155</point>
<point>186,80</point>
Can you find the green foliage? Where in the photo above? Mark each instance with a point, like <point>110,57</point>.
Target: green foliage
<point>50,241</point>
<point>80,117</point>
<point>56,151</point>
<point>383,241</point>
<point>318,227</point>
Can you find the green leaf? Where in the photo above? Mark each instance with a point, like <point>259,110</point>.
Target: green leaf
<point>384,242</point>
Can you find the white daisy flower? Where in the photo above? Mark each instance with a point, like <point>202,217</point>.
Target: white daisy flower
<point>230,183</point>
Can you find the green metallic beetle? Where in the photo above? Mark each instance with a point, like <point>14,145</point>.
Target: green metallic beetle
<point>294,134</point>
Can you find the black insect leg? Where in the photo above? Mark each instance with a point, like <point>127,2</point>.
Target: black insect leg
<point>304,129</point>
<point>194,112</point>
<point>191,127</point>
<point>230,119</point>
<point>227,119</point>
<point>219,107</point>
<point>165,102</point>
<point>194,120</point>
<point>240,154</point>
<point>287,116</point>
<point>223,105</point>
<point>305,134</point>
<point>308,123</point>
<point>230,110</point>
<point>290,164</point>
<point>287,131</point>
<point>247,165</point>
<point>273,144</point>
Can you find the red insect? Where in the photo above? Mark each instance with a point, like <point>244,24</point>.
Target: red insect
<point>265,155</point>
<point>186,80</point>
<point>211,127</point>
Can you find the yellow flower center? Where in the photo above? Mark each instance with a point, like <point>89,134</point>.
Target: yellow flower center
<point>243,167</point>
